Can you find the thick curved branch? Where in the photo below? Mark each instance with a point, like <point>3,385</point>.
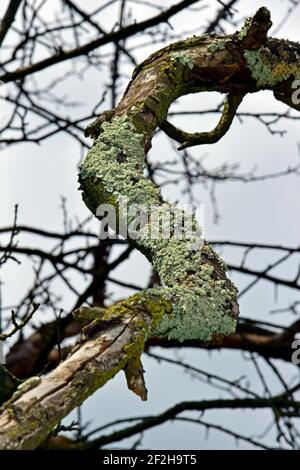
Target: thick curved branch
<point>193,281</point>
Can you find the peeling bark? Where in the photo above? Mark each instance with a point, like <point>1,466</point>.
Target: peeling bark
<point>28,418</point>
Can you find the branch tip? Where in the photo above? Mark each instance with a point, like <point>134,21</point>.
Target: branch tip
<point>255,30</point>
<point>134,373</point>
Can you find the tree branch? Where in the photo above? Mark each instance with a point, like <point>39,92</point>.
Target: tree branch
<point>8,18</point>
<point>278,402</point>
<point>188,139</point>
<point>115,36</point>
<point>28,418</point>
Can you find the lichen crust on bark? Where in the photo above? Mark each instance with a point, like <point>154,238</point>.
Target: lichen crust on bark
<point>203,300</point>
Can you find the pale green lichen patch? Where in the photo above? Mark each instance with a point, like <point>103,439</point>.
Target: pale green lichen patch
<point>196,300</point>
<point>120,139</point>
<point>219,45</point>
<point>183,59</point>
<point>268,69</point>
<point>245,28</point>
<point>174,261</point>
<point>255,29</point>
<point>196,315</point>
<point>117,136</point>
<point>181,312</point>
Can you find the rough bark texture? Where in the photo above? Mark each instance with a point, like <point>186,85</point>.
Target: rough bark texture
<point>196,300</point>
<point>40,403</point>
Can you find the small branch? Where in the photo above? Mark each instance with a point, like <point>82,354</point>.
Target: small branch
<point>222,14</point>
<point>200,138</point>
<point>152,421</point>
<point>124,33</point>
<point>19,325</point>
<point>11,246</point>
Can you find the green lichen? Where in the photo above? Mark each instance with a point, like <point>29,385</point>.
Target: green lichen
<point>195,301</point>
<point>119,138</point>
<point>196,316</point>
<point>151,301</point>
<point>211,254</point>
<point>135,349</point>
<point>199,311</point>
<point>267,69</point>
<point>244,31</point>
<point>183,59</point>
<point>218,45</point>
